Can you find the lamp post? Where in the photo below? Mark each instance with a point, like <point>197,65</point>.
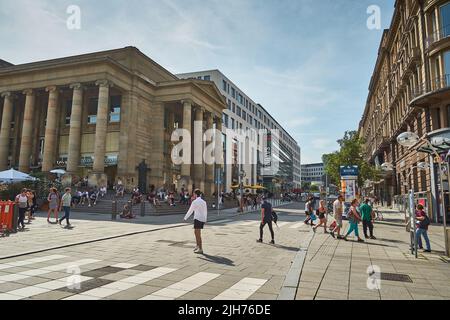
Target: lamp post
<point>242,175</point>
<point>410,139</point>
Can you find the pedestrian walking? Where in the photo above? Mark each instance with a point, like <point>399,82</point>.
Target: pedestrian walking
<point>338,209</point>
<point>22,202</point>
<point>322,214</point>
<point>309,211</point>
<point>200,210</point>
<point>266,219</point>
<point>354,218</point>
<point>423,222</point>
<point>367,216</point>
<point>65,204</point>
<point>53,204</point>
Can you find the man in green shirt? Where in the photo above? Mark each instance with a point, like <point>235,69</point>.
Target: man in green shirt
<point>367,218</point>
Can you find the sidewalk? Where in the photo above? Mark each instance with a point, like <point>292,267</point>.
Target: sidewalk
<point>337,270</point>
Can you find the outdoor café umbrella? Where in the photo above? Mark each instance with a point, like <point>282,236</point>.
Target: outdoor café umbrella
<point>58,171</point>
<point>12,175</point>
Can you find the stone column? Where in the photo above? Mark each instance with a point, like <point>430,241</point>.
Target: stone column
<point>98,175</point>
<point>50,129</point>
<point>219,149</point>
<point>199,165</point>
<point>5,130</point>
<point>187,125</point>
<point>27,131</point>
<point>73,160</point>
<point>157,159</point>
<point>209,179</point>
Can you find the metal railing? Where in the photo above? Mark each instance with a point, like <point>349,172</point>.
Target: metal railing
<point>436,84</point>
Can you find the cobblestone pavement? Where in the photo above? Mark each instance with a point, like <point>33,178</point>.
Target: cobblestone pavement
<point>151,264</point>
<point>335,269</point>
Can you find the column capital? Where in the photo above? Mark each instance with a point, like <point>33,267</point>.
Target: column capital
<point>76,86</point>
<point>7,94</point>
<point>28,92</point>
<point>103,83</point>
<point>187,101</point>
<point>200,109</point>
<point>51,88</point>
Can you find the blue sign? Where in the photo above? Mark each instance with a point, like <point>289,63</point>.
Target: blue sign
<point>352,171</point>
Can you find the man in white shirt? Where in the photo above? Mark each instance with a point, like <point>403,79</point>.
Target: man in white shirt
<point>200,210</point>
<point>338,210</point>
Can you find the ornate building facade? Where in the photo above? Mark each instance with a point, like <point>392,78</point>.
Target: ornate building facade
<point>409,91</point>
<point>100,115</point>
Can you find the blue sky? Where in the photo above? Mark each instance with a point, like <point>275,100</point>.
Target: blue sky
<point>308,62</point>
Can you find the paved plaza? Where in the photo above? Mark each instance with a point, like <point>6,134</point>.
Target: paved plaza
<point>152,258</point>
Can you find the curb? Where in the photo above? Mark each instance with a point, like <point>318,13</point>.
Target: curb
<point>290,285</point>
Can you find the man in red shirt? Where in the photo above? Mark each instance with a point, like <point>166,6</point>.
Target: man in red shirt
<point>423,221</point>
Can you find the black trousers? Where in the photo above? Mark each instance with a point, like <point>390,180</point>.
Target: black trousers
<point>368,224</point>
<point>22,212</point>
<point>261,229</point>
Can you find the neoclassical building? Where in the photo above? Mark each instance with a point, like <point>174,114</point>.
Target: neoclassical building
<point>410,91</point>
<point>100,115</point>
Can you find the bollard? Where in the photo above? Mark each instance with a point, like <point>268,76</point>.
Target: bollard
<point>114,210</point>
<point>142,208</point>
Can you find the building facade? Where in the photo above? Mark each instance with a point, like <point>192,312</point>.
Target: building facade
<point>409,91</point>
<point>101,115</point>
<point>313,173</point>
<point>244,113</point>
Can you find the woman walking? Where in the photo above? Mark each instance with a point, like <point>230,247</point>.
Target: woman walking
<point>65,203</point>
<point>53,204</point>
<point>322,213</point>
<point>354,218</point>
<point>22,202</point>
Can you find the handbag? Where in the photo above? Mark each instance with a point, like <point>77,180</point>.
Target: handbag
<point>313,216</point>
<point>333,225</point>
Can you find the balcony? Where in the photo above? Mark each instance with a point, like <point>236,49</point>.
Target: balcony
<point>438,90</point>
<point>437,36</point>
<point>412,59</point>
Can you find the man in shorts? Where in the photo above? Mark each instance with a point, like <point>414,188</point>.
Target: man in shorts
<point>200,210</point>
<point>338,209</point>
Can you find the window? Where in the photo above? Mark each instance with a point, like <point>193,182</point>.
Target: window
<point>447,64</point>
<point>232,123</point>
<point>244,115</point>
<point>445,20</point>
<point>250,120</point>
<point>233,93</point>
<point>241,99</point>
<point>229,104</point>
<point>114,113</point>
<point>238,111</point>
<point>92,110</point>
<point>207,78</point>
<point>224,86</point>
<point>68,112</point>
<point>234,107</point>
<point>225,120</point>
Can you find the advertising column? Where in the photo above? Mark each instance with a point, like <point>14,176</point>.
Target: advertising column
<point>349,178</point>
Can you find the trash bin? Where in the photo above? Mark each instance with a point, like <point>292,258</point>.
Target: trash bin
<point>7,217</point>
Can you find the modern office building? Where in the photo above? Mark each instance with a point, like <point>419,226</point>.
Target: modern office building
<point>244,113</point>
<point>101,115</point>
<point>410,92</point>
<point>313,173</point>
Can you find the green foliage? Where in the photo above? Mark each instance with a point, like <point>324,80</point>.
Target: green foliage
<point>314,188</point>
<point>41,187</point>
<point>351,153</point>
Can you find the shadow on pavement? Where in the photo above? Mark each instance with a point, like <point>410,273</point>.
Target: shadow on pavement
<point>217,259</point>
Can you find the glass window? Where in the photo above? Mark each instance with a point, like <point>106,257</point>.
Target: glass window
<point>234,107</point>
<point>238,111</point>
<point>207,78</point>
<point>68,112</point>
<point>244,115</point>
<point>225,120</point>
<point>232,123</point>
<point>114,113</point>
<point>447,64</point>
<point>233,93</point>
<point>92,110</point>
<point>445,19</point>
<point>224,85</point>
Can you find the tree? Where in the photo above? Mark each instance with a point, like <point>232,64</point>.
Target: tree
<point>350,153</point>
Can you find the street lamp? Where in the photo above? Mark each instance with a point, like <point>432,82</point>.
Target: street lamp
<point>410,139</point>
<point>242,175</point>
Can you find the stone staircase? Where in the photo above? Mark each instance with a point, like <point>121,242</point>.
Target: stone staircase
<point>105,206</point>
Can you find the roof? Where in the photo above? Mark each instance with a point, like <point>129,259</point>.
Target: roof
<point>4,63</point>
